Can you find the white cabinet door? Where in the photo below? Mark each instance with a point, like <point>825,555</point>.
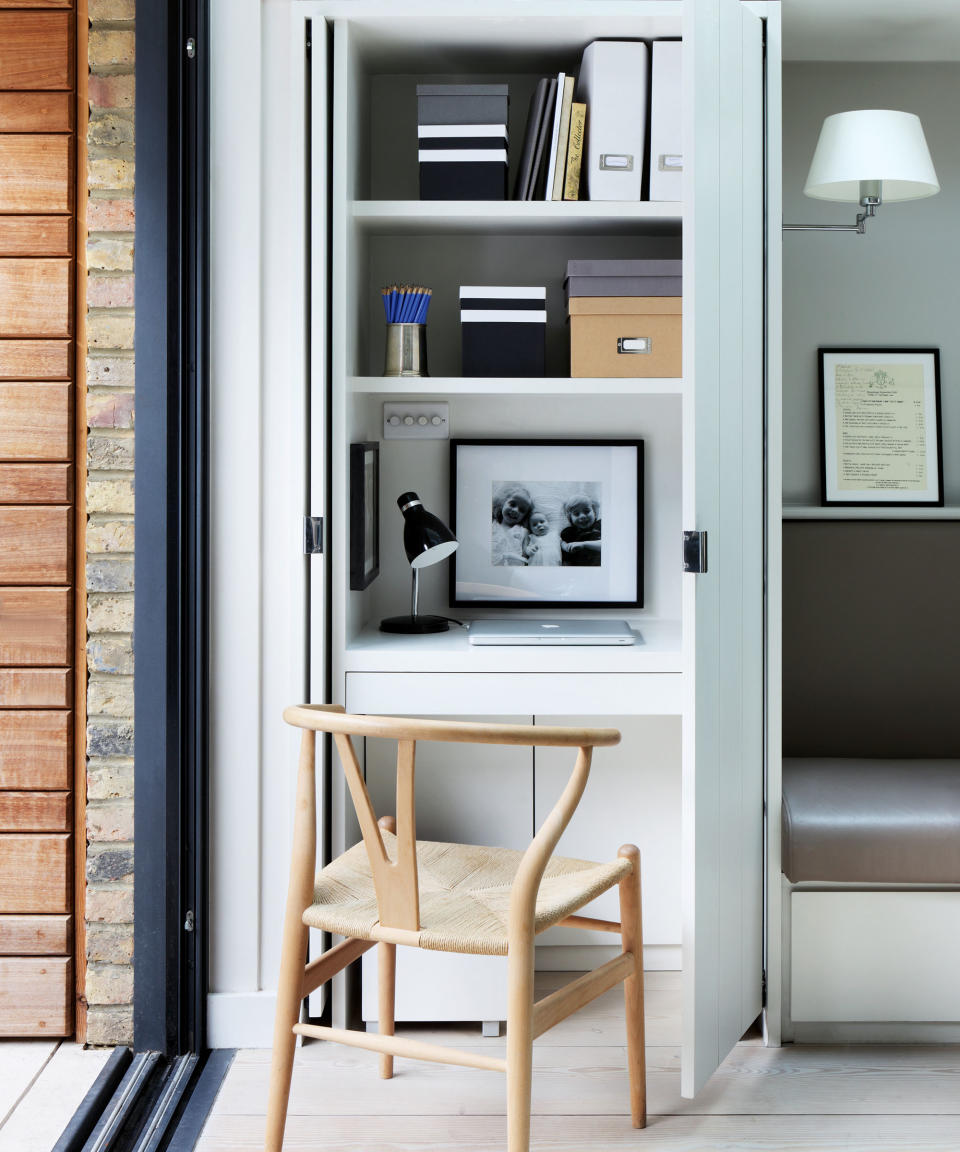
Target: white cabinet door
<point>632,797</point>
<point>723,495</point>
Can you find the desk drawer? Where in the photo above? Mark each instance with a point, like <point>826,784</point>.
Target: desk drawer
<point>601,694</point>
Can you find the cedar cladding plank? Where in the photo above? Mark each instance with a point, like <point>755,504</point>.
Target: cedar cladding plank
<point>35,173</point>
<point>36,359</point>
<point>36,687</point>
<point>36,996</point>
<point>35,873</point>
<point>36,236</point>
<point>35,421</point>
<point>35,297</point>
<point>36,483</point>
<point>35,811</point>
<point>35,935</point>
<point>35,626</point>
<point>35,749</point>
<point>35,50</point>
<point>36,111</point>
<point>36,545</point>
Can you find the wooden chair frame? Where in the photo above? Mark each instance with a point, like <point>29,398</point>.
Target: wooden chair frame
<point>398,905</point>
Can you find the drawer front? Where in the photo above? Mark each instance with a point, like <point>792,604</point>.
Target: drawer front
<point>35,811</point>
<point>35,421</point>
<point>35,50</point>
<point>36,935</point>
<point>35,297</point>
<point>36,236</point>
<point>36,996</point>
<point>35,749</point>
<point>36,687</point>
<point>36,545</point>
<point>36,483</point>
<point>36,360</point>
<point>36,111</point>
<point>35,873</point>
<point>35,626</point>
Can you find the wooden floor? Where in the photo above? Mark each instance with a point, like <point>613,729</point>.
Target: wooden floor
<point>856,1098</point>
<point>42,1083</point>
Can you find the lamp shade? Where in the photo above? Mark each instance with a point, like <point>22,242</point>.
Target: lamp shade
<point>426,538</point>
<point>872,145</point>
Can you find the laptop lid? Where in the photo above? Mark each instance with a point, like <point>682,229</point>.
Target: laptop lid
<point>527,631</point>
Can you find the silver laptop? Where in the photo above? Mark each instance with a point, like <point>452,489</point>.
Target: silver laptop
<point>521,631</point>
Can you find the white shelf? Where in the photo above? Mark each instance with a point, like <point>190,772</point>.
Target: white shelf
<point>512,386</point>
<point>885,512</point>
<point>398,217</point>
<point>657,649</point>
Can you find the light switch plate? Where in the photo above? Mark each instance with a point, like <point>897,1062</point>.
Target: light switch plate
<point>420,421</point>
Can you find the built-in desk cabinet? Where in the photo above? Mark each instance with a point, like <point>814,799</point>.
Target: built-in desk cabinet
<point>341,219</point>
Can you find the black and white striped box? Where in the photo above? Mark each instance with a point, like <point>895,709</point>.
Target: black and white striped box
<point>503,331</point>
<point>462,161</point>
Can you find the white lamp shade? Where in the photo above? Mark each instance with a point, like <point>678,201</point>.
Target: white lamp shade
<point>871,145</point>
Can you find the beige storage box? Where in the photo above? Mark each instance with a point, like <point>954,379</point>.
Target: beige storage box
<point>625,336</point>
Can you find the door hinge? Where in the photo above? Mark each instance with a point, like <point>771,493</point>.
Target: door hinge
<point>695,552</point>
<point>312,535</point>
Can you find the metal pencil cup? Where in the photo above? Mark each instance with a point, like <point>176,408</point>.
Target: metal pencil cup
<point>406,350</point>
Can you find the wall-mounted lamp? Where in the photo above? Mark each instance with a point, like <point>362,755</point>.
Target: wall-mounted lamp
<point>866,158</point>
<point>426,540</point>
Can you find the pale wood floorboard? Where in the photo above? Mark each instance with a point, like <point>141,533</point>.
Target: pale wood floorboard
<point>42,1114</point>
<point>858,1098</point>
<point>20,1062</point>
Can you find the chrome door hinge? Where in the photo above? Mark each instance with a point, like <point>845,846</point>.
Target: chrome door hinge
<point>312,535</point>
<point>695,552</point>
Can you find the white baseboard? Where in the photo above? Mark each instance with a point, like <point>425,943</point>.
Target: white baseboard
<point>584,957</point>
<point>240,1019</point>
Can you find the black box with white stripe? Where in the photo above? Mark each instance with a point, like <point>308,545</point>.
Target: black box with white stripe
<point>462,142</point>
<point>503,331</point>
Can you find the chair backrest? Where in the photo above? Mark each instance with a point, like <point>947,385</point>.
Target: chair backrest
<point>395,881</point>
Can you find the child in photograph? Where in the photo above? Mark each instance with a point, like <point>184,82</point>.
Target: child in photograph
<point>542,545</point>
<point>580,540</point>
<point>512,505</point>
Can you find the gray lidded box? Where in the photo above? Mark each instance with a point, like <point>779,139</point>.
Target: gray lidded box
<point>624,278</point>
<point>462,103</point>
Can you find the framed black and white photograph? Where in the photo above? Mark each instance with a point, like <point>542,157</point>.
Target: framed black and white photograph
<point>547,523</point>
<point>364,515</point>
<point>880,426</point>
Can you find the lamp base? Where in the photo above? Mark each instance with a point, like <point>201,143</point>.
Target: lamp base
<point>414,625</point>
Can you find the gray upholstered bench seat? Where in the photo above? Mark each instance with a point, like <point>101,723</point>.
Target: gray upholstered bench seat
<point>853,820</point>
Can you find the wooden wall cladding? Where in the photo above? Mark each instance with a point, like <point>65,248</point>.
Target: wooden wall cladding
<point>36,545</point>
<point>36,996</point>
<point>36,236</point>
<point>35,935</point>
<point>35,626</point>
<point>35,873</point>
<point>36,483</point>
<point>35,811</point>
<point>35,749</point>
<point>35,421</point>
<point>36,111</point>
<point>35,359</point>
<point>36,687</point>
<point>35,173</point>
<point>36,297</point>
<point>35,50</point>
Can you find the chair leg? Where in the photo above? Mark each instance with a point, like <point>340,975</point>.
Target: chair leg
<point>519,1043</point>
<point>387,985</point>
<point>632,938</point>
<point>292,959</point>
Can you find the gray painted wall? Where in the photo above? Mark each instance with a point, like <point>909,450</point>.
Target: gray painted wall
<point>898,286</point>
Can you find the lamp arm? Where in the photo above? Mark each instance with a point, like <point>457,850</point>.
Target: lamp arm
<point>869,202</point>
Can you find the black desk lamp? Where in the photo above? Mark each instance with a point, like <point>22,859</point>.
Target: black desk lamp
<point>427,540</point>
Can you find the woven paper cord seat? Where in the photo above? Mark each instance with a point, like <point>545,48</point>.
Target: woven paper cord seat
<point>464,894</point>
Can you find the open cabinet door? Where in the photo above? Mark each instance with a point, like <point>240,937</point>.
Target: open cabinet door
<point>724,496</point>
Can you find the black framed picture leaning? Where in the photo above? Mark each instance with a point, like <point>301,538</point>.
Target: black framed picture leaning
<point>547,523</point>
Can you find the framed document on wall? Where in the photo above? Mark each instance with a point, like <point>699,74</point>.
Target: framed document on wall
<point>880,428</point>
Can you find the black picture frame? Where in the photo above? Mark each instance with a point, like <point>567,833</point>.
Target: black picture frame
<point>880,455</point>
<point>364,514</point>
<point>497,565</point>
